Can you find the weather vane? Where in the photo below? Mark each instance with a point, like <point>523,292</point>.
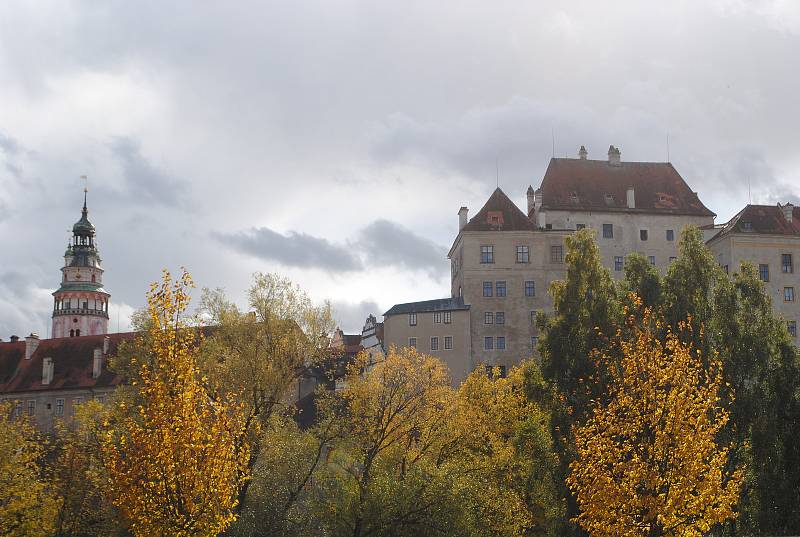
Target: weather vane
<point>85,183</point>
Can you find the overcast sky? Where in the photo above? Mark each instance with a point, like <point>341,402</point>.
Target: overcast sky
<point>334,142</point>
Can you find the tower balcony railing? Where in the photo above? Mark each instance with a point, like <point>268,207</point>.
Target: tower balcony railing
<point>80,311</point>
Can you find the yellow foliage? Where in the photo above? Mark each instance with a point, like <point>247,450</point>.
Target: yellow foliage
<point>177,461</point>
<point>648,462</point>
<point>27,508</point>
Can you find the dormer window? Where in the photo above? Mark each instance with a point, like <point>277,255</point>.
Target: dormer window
<point>574,197</point>
<point>747,226</point>
<point>609,199</point>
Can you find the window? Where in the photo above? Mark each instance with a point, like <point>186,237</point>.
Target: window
<point>412,342</point>
<point>763,272</point>
<point>32,407</point>
<point>75,404</point>
<point>643,234</point>
<point>501,343</point>
<point>500,317</point>
<point>487,254</point>
<point>523,255</point>
<point>488,318</point>
<point>488,343</point>
<point>670,235</point>
<point>495,371</point>
<point>791,326</point>
<point>726,269</point>
<point>487,288</point>
<point>59,407</point>
<point>437,317</point>
<point>580,226</point>
<point>447,317</point>
<point>448,343</point>
<point>788,294</point>
<point>556,254</point>
<point>672,258</point>
<point>786,263</point>
<point>434,343</point>
<point>18,409</point>
<point>534,342</point>
<point>500,288</point>
<point>530,288</point>
<point>651,259</point>
<point>618,263</point>
<point>747,226</point>
<point>608,231</point>
<point>412,319</point>
<point>533,316</point>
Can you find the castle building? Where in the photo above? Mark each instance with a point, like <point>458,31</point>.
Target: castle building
<point>768,237</point>
<point>80,305</point>
<point>503,260</point>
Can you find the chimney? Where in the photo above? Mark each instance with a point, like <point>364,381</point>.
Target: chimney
<point>462,217</point>
<point>31,343</point>
<point>106,344</point>
<point>531,201</point>
<point>13,339</point>
<point>47,371</point>
<point>631,198</point>
<point>97,363</point>
<point>613,156</point>
<point>582,153</point>
<point>787,211</point>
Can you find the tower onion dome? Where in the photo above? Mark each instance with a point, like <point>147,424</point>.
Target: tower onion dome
<point>83,226</point>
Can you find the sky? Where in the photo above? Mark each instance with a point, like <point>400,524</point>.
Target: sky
<point>334,142</point>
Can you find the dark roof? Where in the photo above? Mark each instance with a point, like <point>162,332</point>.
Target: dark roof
<point>597,185</point>
<point>72,363</point>
<point>440,304</point>
<point>499,214</point>
<point>766,219</point>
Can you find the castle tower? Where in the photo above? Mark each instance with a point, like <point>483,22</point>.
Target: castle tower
<point>80,305</point>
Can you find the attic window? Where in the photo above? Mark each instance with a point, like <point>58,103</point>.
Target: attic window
<point>747,226</point>
<point>609,199</point>
<point>495,218</point>
<point>573,197</point>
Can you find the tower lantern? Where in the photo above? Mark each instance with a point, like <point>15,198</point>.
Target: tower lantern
<point>80,305</point>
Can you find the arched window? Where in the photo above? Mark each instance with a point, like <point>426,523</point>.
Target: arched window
<point>77,332</point>
<point>93,278</point>
<point>72,333</point>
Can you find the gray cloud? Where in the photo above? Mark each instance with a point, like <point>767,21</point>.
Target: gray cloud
<point>388,243</point>
<point>293,249</point>
<point>380,244</point>
<point>143,182</point>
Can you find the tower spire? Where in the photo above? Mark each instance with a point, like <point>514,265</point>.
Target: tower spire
<point>85,191</point>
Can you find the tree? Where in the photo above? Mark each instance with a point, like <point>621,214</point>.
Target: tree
<point>258,356</point>
<point>762,366</point>
<point>504,466</point>
<point>648,461</point>
<point>382,478</point>
<point>79,477</point>
<point>27,508</point>
<point>177,462</point>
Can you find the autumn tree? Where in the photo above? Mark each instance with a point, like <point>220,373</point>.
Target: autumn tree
<point>258,354</point>
<point>395,416</point>
<point>79,478</point>
<point>27,507</point>
<point>503,466</point>
<point>177,462</point>
<point>648,460</point>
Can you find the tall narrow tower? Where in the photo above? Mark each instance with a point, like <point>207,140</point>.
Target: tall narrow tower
<point>80,307</point>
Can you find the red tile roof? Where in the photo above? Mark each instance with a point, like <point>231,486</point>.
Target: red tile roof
<point>499,214</point>
<point>72,364</point>
<point>597,185</point>
<point>766,219</point>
